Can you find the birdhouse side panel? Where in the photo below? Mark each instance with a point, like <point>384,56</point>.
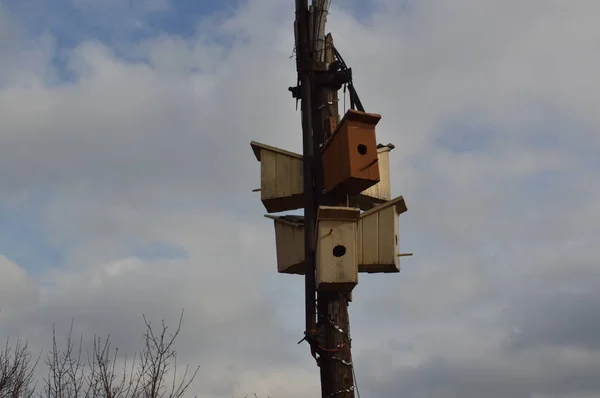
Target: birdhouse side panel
<point>379,241</point>
<point>337,268</point>
<point>370,239</point>
<point>388,236</point>
<point>379,192</point>
<point>283,172</point>
<point>297,177</point>
<point>359,242</point>
<point>290,248</point>
<point>281,181</point>
<point>268,175</point>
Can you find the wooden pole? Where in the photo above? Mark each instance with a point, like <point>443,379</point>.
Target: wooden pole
<point>337,373</point>
<point>305,77</point>
<point>319,116</point>
<point>335,361</point>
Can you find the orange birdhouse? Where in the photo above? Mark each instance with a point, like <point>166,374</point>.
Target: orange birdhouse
<point>350,161</point>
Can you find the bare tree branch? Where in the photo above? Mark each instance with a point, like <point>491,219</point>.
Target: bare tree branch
<point>17,371</point>
<point>70,377</point>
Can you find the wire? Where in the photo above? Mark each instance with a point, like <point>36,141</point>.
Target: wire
<point>354,100</point>
<point>355,383</point>
<point>344,98</point>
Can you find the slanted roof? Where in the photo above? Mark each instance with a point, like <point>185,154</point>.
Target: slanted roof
<point>397,202</point>
<point>338,213</point>
<point>257,146</point>
<point>294,221</point>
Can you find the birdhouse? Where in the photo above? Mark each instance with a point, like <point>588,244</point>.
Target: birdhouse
<point>336,265</point>
<point>350,161</point>
<point>380,192</point>
<point>378,237</point>
<point>289,240</point>
<point>281,178</point>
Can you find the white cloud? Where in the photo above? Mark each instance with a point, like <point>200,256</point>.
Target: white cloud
<point>17,290</point>
<point>133,153</point>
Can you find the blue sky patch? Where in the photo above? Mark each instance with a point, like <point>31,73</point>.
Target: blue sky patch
<point>23,238</point>
<point>117,24</point>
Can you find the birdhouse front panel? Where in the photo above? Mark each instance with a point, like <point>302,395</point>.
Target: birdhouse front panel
<point>281,177</point>
<point>336,266</point>
<point>350,158</point>
<point>337,269</point>
<point>378,237</point>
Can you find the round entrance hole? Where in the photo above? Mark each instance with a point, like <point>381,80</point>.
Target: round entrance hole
<point>362,149</point>
<point>339,250</point>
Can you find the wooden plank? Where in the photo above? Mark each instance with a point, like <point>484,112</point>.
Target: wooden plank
<point>333,269</point>
<point>283,165</point>
<point>398,203</point>
<point>296,246</point>
<point>384,186</point>
<point>289,239</point>
<point>279,219</point>
<point>338,213</point>
<point>387,247</point>
<point>268,174</point>
<point>381,190</point>
<point>371,119</point>
<point>281,242</point>
<point>258,147</point>
<point>359,242</point>
<point>370,239</point>
<point>346,270</point>
<point>297,176</point>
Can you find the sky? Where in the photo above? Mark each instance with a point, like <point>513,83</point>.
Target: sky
<point>126,179</point>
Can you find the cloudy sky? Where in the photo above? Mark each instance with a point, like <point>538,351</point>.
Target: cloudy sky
<point>126,176</point>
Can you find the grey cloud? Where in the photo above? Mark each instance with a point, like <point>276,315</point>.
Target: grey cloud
<point>555,319</point>
<point>158,151</point>
<point>487,378</point>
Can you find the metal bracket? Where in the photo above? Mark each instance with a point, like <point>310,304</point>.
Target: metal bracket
<point>296,92</point>
<point>334,78</point>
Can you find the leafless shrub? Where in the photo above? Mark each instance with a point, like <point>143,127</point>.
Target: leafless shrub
<point>16,371</point>
<point>153,375</point>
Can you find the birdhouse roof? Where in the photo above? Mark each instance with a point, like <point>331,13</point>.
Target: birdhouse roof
<point>397,202</point>
<point>294,221</point>
<point>336,213</point>
<point>388,147</point>
<point>257,146</point>
<point>362,117</point>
